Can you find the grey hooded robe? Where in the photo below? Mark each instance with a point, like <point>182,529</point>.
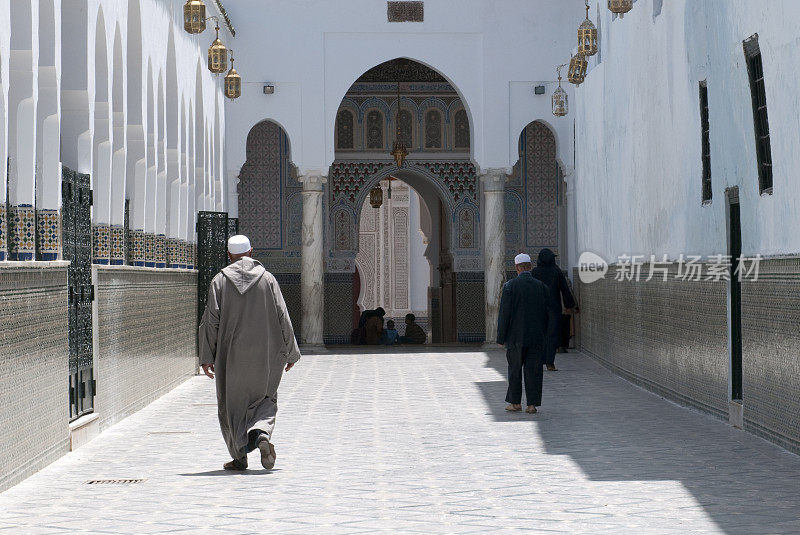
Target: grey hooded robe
<point>247,335</point>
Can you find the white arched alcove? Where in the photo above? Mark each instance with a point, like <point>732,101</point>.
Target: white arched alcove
<point>101,160</point>
<point>118,161</point>
<point>48,132</point>
<point>22,105</point>
<point>136,145</point>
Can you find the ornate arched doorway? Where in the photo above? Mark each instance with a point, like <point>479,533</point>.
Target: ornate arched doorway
<point>405,100</point>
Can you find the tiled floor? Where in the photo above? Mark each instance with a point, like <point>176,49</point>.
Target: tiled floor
<point>420,443</point>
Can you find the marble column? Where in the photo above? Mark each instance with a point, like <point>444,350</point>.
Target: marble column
<point>494,236</point>
<point>312,304</point>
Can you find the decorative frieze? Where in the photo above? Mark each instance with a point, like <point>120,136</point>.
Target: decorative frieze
<point>160,250</point>
<point>48,234</point>
<point>117,245</point>
<point>101,244</point>
<point>3,231</point>
<point>149,249</point>
<point>21,232</point>
<point>173,253</point>
<point>138,255</point>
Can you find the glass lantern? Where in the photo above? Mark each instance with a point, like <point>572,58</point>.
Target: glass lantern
<point>217,56</point>
<point>577,69</point>
<point>194,16</point>
<point>587,36</point>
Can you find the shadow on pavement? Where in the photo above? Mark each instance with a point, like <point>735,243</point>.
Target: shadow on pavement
<point>231,473</point>
<point>616,431</point>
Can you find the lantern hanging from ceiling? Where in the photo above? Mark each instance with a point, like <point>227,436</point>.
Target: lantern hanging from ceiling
<point>577,69</point>
<point>376,196</point>
<point>233,82</point>
<point>620,7</point>
<point>560,101</point>
<point>399,149</point>
<point>399,153</point>
<point>587,36</point>
<point>194,16</point>
<point>217,56</point>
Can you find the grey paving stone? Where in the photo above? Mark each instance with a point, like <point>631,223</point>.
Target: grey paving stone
<point>421,443</point>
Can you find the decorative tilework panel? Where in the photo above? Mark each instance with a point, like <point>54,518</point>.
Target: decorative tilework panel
<point>470,309</point>
<point>22,232</point>
<point>48,234</point>
<point>160,250</point>
<point>3,231</point>
<point>146,322</point>
<point>149,248</point>
<point>290,288</point>
<point>117,244</point>
<point>670,337</point>
<point>138,252</point>
<point>541,171</point>
<point>400,268</point>
<point>770,349</point>
<point>173,258</point>
<point>34,353</point>
<point>101,244</point>
<point>531,200</point>
<point>338,307</point>
<point>265,184</point>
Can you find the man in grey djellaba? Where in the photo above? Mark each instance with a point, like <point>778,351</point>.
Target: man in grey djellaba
<point>246,343</point>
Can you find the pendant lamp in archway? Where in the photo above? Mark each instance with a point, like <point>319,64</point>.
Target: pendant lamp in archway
<point>376,196</point>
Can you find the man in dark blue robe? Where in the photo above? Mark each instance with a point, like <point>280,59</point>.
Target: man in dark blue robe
<point>522,327</point>
<point>551,275</point>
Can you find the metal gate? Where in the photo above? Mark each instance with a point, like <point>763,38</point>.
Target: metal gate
<point>77,238</point>
<point>213,231</point>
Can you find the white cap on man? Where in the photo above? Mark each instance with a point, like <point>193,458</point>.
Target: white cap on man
<point>522,258</point>
<point>238,244</point>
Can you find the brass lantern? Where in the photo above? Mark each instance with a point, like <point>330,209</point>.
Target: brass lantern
<point>217,56</point>
<point>194,16</point>
<point>620,7</point>
<point>376,196</point>
<point>233,83</point>
<point>560,102</point>
<point>587,36</point>
<point>399,152</point>
<point>577,69</point>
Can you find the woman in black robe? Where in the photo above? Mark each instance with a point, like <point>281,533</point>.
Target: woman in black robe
<point>551,275</point>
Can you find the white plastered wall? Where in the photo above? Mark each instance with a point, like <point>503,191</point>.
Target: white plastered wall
<point>638,170</point>
<point>492,52</point>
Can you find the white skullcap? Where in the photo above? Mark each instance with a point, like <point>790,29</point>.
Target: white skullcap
<point>522,258</point>
<point>238,244</point>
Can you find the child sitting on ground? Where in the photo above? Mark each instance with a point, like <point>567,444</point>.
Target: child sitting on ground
<point>390,334</point>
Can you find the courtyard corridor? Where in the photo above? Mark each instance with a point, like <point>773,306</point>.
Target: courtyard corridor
<point>420,443</point>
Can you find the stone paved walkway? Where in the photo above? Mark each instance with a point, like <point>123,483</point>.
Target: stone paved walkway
<point>420,443</point>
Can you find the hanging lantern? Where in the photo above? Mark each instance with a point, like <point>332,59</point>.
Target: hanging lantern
<point>233,83</point>
<point>217,56</point>
<point>620,7</point>
<point>399,152</point>
<point>376,196</point>
<point>587,36</point>
<point>399,149</point>
<point>560,102</point>
<point>577,69</point>
<point>194,16</point>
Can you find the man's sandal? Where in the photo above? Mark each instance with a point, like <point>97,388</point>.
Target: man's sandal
<point>267,454</point>
<point>235,465</point>
<point>531,409</point>
<point>513,408</point>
